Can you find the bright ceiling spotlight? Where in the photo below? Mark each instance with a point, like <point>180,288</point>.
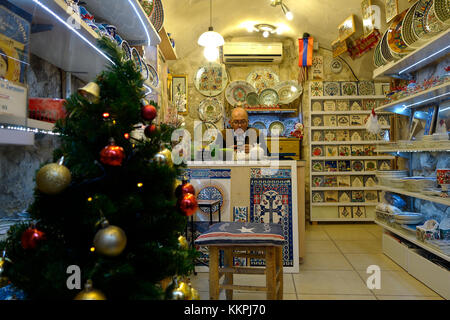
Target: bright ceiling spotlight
<point>265,34</point>
<point>210,38</point>
<point>285,9</point>
<point>266,29</point>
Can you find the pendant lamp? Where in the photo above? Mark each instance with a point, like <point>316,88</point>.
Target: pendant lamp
<point>211,38</point>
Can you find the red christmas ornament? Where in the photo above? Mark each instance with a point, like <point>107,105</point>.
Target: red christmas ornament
<point>148,112</point>
<point>187,188</point>
<point>188,204</point>
<point>31,237</point>
<point>112,155</point>
<point>149,130</point>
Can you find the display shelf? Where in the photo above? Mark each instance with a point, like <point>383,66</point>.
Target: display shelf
<point>409,150</point>
<point>129,17</point>
<point>166,47</point>
<point>338,204</point>
<point>434,49</point>
<point>16,137</point>
<point>342,188</point>
<point>43,125</point>
<point>411,238</point>
<point>444,201</point>
<point>342,219</point>
<point>345,173</point>
<point>348,142</point>
<point>355,158</point>
<point>348,97</point>
<point>250,111</point>
<point>432,95</point>
<point>347,112</point>
<point>345,128</point>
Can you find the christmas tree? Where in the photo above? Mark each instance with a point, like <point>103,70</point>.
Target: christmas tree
<point>107,205</point>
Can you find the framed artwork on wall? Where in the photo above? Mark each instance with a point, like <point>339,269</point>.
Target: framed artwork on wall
<point>338,47</point>
<point>391,7</point>
<point>430,120</point>
<point>179,93</point>
<point>347,28</point>
<point>368,19</point>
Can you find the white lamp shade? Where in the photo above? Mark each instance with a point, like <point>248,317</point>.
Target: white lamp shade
<point>211,39</point>
<point>211,53</point>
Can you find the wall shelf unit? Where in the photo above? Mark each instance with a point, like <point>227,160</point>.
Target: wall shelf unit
<point>166,47</point>
<point>436,199</point>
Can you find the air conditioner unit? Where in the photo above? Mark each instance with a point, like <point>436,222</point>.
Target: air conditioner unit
<point>252,52</point>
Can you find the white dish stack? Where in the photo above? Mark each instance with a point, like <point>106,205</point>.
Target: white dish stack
<point>392,178</point>
<point>408,218</point>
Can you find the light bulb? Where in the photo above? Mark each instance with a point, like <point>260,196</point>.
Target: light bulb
<point>289,15</point>
<point>211,53</point>
<point>265,34</point>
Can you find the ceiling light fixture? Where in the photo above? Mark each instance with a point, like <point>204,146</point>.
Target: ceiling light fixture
<point>211,38</point>
<point>285,9</point>
<point>266,29</point>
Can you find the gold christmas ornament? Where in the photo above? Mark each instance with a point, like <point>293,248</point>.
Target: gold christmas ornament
<point>177,295</point>
<point>194,294</point>
<point>53,178</point>
<point>168,154</point>
<point>89,293</point>
<point>110,240</point>
<point>185,289</point>
<point>91,92</point>
<point>183,242</point>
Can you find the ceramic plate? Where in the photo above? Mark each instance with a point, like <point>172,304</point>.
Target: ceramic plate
<point>366,88</point>
<point>349,88</point>
<point>152,75</point>
<point>136,59</point>
<point>317,166</point>
<point>157,16</point>
<point>262,79</point>
<point>408,35</point>
<point>276,126</point>
<point>252,99</point>
<point>394,36</point>
<point>317,151</point>
<point>331,89</point>
<point>288,91</point>
<point>237,91</point>
<point>210,110</point>
<point>211,79</point>
<point>144,72</point>
<point>336,65</point>
<point>259,125</point>
<point>420,13</point>
<point>384,48</point>
<point>432,24</point>
<point>147,5</point>
<point>268,97</point>
<point>126,50</point>
<point>442,10</point>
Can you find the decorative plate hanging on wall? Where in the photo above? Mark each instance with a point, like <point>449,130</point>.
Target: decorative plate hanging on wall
<point>237,91</point>
<point>157,16</point>
<point>210,110</point>
<point>288,91</point>
<point>211,79</point>
<point>336,66</point>
<point>262,79</point>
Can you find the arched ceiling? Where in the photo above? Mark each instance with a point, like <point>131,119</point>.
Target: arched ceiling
<point>186,20</point>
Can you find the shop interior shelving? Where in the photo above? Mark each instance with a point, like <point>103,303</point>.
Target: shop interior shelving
<point>15,137</point>
<point>436,199</point>
<point>167,50</point>
<point>434,49</point>
<point>328,211</point>
<point>262,111</point>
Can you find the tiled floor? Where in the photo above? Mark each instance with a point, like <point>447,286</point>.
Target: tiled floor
<point>337,256</point>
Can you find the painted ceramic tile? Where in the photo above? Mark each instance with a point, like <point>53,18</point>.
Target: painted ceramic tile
<point>371,195</point>
<point>317,197</point>
<point>357,181</point>
<point>317,135</point>
<point>366,88</point>
<point>317,67</point>
<point>344,151</point>
<point>355,136</point>
<point>383,120</point>
<point>355,106</point>
<point>349,88</point>
<point>370,182</point>
<point>357,151</point>
<point>368,136</point>
<point>330,166</point>
<point>342,135</point>
<point>358,196</point>
<point>357,165</point>
<point>331,151</point>
<point>317,106</point>
<point>317,181</point>
<point>317,121</point>
<point>344,196</point>
<point>343,121</point>
<point>345,212</point>
<point>343,105</point>
<point>391,9</point>
<point>317,151</point>
<point>370,165</point>
<point>316,88</point>
<point>344,181</point>
<point>240,214</point>
<point>384,165</point>
<point>357,120</point>
<point>359,212</point>
<point>344,165</point>
<point>330,120</point>
<point>369,150</point>
<point>330,181</point>
<point>330,135</point>
<point>331,88</point>
<point>369,104</point>
<point>329,105</point>
<point>271,202</point>
<point>317,166</point>
<point>331,196</point>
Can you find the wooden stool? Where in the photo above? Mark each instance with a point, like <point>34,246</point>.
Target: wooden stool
<point>237,239</point>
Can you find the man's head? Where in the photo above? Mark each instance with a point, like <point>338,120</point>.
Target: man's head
<point>239,119</point>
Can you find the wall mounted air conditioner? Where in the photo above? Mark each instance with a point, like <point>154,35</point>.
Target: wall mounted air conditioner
<point>252,52</point>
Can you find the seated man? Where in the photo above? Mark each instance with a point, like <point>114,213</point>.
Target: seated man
<point>241,137</point>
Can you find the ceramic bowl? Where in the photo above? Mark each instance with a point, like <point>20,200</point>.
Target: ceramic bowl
<point>394,37</point>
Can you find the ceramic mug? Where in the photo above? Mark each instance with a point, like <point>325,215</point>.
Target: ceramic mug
<point>443,176</point>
